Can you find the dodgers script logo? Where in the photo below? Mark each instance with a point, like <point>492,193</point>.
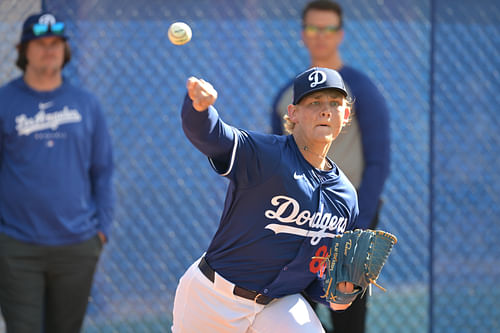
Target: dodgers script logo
<point>288,211</point>
<point>43,120</point>
<point>317,77</point>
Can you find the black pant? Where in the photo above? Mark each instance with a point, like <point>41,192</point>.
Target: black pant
<point>351,320</point>
<point>46,288</point>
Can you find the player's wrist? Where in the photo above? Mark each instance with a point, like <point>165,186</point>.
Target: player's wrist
<point>339,307</point>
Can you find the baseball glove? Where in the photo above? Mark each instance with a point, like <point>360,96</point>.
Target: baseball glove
<point>357,257</point>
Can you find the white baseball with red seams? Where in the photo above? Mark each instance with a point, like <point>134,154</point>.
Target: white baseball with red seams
<point>179,33</point>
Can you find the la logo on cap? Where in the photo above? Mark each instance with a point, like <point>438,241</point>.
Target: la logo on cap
<point>317,77</point>
<point>47,19</point>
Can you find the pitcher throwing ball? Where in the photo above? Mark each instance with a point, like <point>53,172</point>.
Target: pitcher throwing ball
<point>285,203</point>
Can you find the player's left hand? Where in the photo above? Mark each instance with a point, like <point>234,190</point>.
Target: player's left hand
<point>356,257</point>
<point>346,288</point>
<point>201,93</point>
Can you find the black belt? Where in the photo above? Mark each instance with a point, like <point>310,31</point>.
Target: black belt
<point>238,291</point>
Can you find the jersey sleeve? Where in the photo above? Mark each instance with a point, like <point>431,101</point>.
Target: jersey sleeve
<point>243,157</point>
<point>373,117</point>
<point>207,132</point>
<point>101,170</point>
<point>256,158</point>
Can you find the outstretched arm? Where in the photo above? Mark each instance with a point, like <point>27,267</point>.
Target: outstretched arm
<point>201,122</point>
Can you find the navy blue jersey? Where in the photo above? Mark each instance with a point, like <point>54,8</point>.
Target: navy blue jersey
<point>279,210</point>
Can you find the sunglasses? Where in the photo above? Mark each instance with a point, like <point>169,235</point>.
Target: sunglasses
<point>313,30</point>
<point>41,29</point>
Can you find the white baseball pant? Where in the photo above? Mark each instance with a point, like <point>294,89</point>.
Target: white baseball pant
<point>204,306</point>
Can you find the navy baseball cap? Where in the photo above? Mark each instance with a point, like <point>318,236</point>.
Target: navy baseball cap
<point>315,79</point>
<point>42,25</point>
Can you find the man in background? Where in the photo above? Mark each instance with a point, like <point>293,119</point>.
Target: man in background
<point>362,149</point>
<point>56,196</point>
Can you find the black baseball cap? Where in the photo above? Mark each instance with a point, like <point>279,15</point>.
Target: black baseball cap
<point>315,79</point>
<point>42,25</point>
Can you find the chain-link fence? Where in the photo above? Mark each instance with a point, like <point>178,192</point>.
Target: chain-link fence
<point>437,64</point>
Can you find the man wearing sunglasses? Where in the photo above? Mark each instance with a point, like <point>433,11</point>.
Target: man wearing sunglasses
<point>56,200</point>
<point>362,149</point>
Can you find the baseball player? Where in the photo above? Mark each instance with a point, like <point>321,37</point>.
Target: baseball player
<point>285,202</point>
<point>363,149</point>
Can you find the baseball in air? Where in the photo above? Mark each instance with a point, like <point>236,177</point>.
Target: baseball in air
<point>179,33</point>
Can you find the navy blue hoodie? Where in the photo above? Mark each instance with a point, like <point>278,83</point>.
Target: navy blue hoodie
<point>55,165</point>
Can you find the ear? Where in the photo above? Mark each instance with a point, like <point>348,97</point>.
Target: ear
<point>347,113</point>
<point>292,112</point>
